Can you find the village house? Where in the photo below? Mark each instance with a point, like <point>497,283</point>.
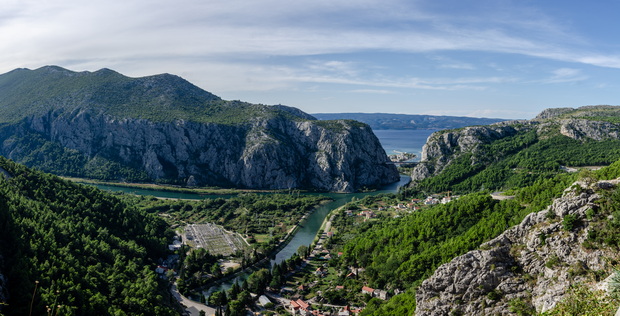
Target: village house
<point>319,272</point>
<point>367,290</point>
<point>299,307</point>
<point>375,293</point>
<point>431,201</point>
<point>381,294</point>
<point>367,214</point>
<point>344,311</point>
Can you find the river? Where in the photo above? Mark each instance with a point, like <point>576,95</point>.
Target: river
<point>304,235</point>
<point>392,141</point>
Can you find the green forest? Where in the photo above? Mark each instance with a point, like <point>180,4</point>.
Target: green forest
<point>250,214</point>
<point>517,161</point>
<point>76,249</point>
<point>399,253</point>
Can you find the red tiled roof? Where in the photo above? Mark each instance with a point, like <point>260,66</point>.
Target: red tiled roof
<point>294,304</point>
<point>367,289</point>
<point>302,304</point>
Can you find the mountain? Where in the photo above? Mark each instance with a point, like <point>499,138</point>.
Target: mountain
<point>408,121</point>
<point>515,153</point>
<point>162,128</point>
<point>463,257</point>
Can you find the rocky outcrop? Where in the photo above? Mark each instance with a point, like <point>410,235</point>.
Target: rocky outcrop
<point>443,146</point>
<point>584,123</point>
<point>586,129</point>
<point>533,263</point>
<point>266,153</point>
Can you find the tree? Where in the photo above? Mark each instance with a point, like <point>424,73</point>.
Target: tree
<point>302,251</point>
<point>235,308</point>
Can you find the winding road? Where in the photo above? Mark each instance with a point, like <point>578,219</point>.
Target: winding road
<point>193,308</point>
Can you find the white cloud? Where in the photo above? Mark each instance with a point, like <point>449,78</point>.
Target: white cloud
<point>37,32</point>
<point>372,91</point>
<point>276,45</point>
<point>564,75</point>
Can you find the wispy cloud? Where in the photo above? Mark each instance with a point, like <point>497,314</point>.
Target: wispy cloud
<point>564,75</point>
<point>239,46</point>
<point>113,32</point>
<point>372,91</point>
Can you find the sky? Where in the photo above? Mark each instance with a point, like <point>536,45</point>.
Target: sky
<point>501,58</point>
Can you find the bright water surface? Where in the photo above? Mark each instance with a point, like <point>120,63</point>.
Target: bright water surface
<point>410,141</point>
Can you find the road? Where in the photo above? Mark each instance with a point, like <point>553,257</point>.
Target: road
<point>192,307</point>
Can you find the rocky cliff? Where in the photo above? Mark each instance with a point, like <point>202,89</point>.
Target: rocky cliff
<point>530,266</point>
<point>584,123</point>
<point>167,129</point>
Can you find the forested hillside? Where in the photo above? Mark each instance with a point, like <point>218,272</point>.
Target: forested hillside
<point>162,128</point>
<point>515,154</point>
<point>527,159</point>
<point>76,249</point>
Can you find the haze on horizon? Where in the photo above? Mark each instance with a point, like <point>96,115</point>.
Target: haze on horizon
<point>507,59</point>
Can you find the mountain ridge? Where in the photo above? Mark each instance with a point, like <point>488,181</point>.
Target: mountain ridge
<point>162,128</point>
<point>380,121</point>
<point>556,130</point>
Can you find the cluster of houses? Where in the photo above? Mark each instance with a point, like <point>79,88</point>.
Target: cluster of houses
<point>413,205</point>
<point>167,265</point>
<point>381,294</point>
<point>300,307</point>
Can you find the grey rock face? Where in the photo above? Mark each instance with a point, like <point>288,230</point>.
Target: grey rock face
<point>442,146</point>
<point>519,264</point>
<point>272,153</point>
<point>585,129</point>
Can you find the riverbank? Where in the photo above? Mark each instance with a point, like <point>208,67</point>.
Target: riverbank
<point>175,189</point>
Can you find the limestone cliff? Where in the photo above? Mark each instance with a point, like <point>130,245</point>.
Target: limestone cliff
<point>164,128</point>
<point>532,264</point>
<point>584,123</point>
<point>443,146</point>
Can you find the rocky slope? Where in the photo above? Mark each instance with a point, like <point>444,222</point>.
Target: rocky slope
<point>167,129</point>
<point>529,266</point>
<point>589,122</point>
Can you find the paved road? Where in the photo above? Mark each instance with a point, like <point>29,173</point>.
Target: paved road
<point>192,307</point>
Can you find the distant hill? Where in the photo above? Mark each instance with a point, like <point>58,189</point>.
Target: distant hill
<point>408,121</point>
<point>162,128</point>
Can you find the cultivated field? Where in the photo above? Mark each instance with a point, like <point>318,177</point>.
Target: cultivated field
<point>214,238</point>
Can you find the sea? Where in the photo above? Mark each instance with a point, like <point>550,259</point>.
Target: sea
<point>398,141</point>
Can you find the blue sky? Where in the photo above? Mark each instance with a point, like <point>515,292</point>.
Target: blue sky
<point>506,59</point>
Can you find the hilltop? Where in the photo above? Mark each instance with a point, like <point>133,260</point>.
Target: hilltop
<point>511,154</point>
<point>161,128</point>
